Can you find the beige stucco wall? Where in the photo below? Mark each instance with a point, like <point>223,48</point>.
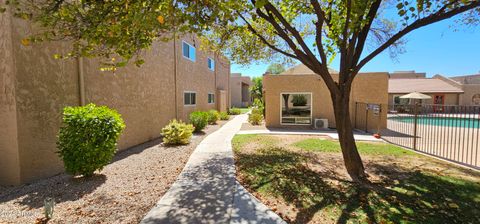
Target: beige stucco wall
<point>469,90</point>
<point>144,96</point>
<point>37,87</point>
<point>370,88</point>
<point>44,86</point>
<point>466,99</point>
<point>236,81</point>
<point>9,154</point>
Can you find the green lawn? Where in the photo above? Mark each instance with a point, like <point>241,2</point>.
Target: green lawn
<point>244,110</point>
<point>322,145</point>
<point>286,175</point>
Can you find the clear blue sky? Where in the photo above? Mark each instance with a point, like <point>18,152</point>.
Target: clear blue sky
<point>435,49</point>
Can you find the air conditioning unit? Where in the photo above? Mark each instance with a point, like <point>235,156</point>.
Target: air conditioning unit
<point>321,123</point>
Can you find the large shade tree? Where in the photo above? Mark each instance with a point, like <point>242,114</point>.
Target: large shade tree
<point>311,32</point>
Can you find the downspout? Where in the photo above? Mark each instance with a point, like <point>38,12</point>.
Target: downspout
<point>81,81</point>
<point>175,73</point>
<point>215,89</point>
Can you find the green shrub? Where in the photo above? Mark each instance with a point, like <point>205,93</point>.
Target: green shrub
<point>257,111</point>
<point>224,116</point>
<point>234,111</point>
<point>177,133</point>
<point>255,118</point>
<point>87,140</point>
<point>213,116</point>
<point>199,120</point>
<point>257,103</point>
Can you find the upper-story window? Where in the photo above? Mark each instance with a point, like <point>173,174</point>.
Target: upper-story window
<point>211,64</point>
<point>188,51</point>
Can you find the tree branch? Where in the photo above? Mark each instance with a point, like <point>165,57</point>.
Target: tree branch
<point>250,27</point>
<point>433,18</point>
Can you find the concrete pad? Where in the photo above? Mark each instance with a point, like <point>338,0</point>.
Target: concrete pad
<point>331,134</point>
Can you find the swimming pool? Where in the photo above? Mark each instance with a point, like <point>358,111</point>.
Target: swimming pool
<point>440,121</point>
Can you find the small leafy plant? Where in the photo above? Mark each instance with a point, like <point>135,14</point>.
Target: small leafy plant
<point>257,103</point>
<point>87,140</point>
<point>234,111</point>
<point>224,116</point>
<point>199,120</point>
<point>255,118</point>
<point>177,133</point>
<point>213,116</point>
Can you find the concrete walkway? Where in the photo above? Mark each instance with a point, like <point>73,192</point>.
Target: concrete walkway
<point>332,134</point>
<point>207,192</point>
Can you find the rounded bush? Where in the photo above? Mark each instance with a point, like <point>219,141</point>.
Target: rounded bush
<point>199,120</point>
<point>213,116</point>
<point>87,140</point>
<point>234,111</point>
<point>177,133</point>
<point>255,118</point>
<point>224,116</point>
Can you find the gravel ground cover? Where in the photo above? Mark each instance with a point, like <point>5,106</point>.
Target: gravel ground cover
<point>123,192</point>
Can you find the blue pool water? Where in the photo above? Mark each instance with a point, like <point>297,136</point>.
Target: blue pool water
<point>441,121</point>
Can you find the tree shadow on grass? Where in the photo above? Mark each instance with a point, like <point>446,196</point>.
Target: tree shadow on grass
<point>401,196</point>
<point>285,174</point>
<point>61,188</point>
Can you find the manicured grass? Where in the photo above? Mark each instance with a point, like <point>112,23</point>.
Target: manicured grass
<point>323,145</point>
<point>244,110</point>
<point>295,183</point>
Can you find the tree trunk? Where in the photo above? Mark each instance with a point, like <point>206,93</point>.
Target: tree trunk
<point>351,157</point>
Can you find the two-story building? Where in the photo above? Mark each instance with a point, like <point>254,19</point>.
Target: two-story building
<point>176,79</point>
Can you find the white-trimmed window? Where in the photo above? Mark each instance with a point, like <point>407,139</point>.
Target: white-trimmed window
<point>211,98</point>
<point>211,64</point>
<point>296,108</point>
<point>188,51</point>
<point>189,98</point>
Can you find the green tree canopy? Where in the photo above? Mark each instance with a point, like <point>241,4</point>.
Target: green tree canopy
<point>275,68</point>
<point>256,90</point>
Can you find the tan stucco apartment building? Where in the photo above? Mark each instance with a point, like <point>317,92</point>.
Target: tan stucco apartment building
<point>240,90</point>
<point>297,97</point>
<point>458,90</point>
<point>176,79</point>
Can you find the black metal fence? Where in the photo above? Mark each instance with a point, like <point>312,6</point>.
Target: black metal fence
<point>448,132</point>
<point>368,117</point>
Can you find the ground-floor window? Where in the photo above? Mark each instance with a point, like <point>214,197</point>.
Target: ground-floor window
<point>296,108</point>
<point>211,98</point>
<point>189,98</point>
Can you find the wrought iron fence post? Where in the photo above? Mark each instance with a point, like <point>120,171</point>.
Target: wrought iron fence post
<point>366,118</point>
<point>415,121</point>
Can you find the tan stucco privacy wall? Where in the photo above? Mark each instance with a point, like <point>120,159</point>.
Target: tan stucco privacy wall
<point>35,87</point>
<point>367,88</point>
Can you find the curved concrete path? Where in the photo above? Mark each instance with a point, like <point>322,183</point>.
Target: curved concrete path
<point>207,192</point>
